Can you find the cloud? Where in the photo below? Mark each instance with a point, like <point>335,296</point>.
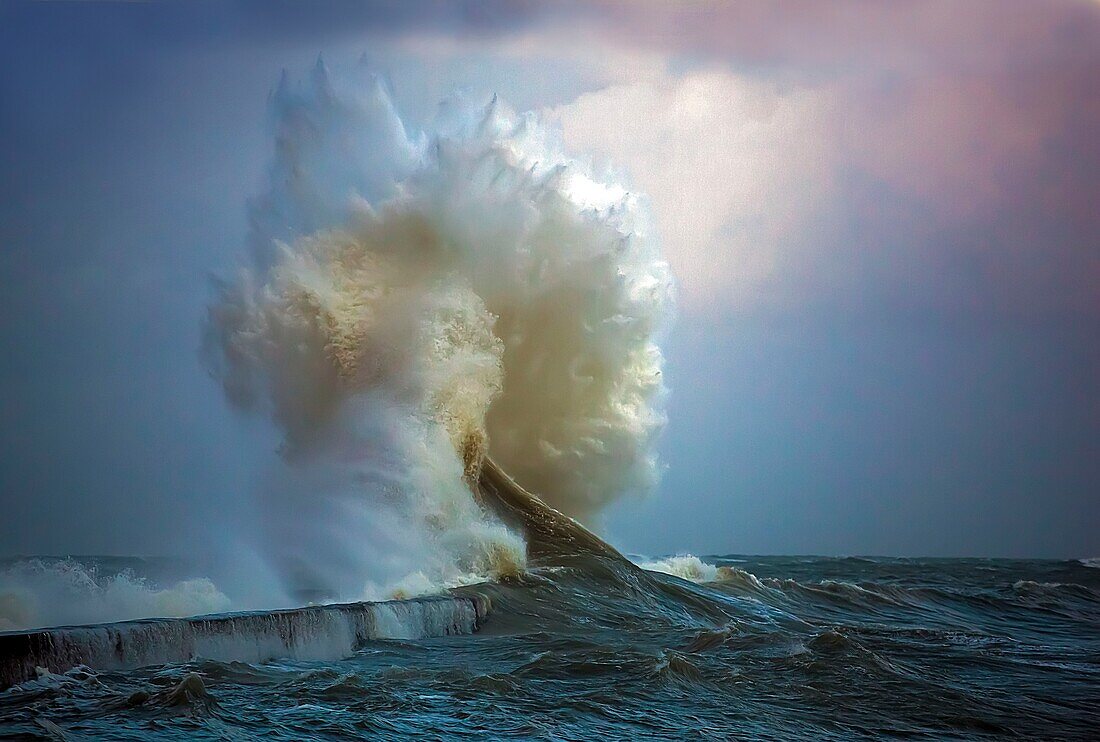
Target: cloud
<point>921,154</point>
<point>807,40</point>
<point>909,156</point>
<point>735,168</point>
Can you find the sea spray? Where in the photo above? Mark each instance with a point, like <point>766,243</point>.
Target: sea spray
<point>38,592</point>
<point>413,302</point>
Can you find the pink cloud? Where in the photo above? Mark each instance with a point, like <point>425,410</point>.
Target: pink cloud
<point>953,153</point>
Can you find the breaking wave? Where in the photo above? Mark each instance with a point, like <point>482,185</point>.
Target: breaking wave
<point>684,566</point>
<point>415,301</point>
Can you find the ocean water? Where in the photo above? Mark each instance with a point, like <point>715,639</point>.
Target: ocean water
<point>587,646</point>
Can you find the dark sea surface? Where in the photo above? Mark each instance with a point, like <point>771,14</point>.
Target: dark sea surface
<point>594,648</point>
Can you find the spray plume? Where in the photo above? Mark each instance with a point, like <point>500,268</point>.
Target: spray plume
<point>414,302</point>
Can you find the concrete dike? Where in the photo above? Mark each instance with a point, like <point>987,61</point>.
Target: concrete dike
<point>313,632</point>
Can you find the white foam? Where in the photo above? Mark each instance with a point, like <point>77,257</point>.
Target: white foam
<point>684,566</point>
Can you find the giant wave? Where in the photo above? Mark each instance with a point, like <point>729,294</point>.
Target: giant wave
<point>414,302</point>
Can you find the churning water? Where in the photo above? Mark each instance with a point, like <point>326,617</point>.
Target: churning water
<point>589,646</point>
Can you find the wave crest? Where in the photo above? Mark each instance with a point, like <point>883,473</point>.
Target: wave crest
<point>414,302</point>
<point>685,566</point>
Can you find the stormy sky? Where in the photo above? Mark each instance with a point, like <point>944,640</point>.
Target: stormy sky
<point>884,219</point>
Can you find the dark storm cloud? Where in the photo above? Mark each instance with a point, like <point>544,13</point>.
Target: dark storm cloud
<point>177,23</point>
